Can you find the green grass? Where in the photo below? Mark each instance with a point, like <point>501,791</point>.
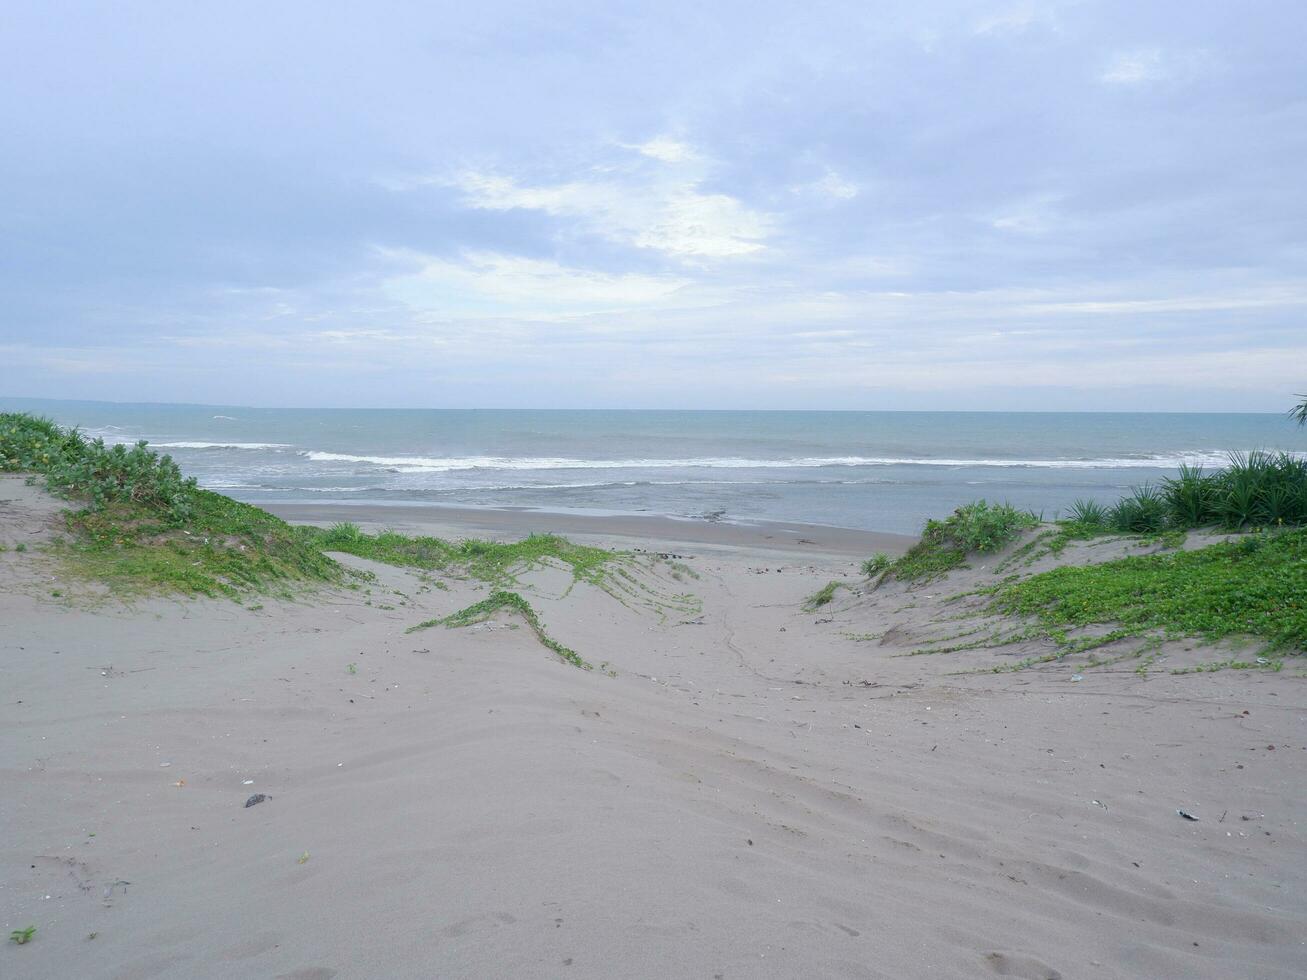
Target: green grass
<point>144,527</point>
<point>1254,587</point>
<point>499,600</point>
<point>22,936</point>
<point>822,596</point>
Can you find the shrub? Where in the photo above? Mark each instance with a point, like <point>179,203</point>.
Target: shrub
<point>1090,513</point>
<point>1190,498</point>
<point>980,526</point>
<point>944,545</point>
<point>100,474</point>
<point>115,474</point>
<point>1261,489</point>
<point>1143,512</point>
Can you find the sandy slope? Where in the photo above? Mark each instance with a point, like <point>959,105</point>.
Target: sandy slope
<point>754,794</point>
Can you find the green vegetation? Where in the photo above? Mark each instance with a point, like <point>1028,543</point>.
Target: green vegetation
<point>145,526</point>
<point>22,936</point>
<point>1255,490</point>
<point>1256,587</point>
<point>1261,663</point>
<point>481,611</point>
<point>501,563</point>
<point>876,564</point>
<point>489,561</point>
<point>822,596</point>
<point>1089,513</point>
<point>89,470</point>
<point>225,548</point>
<point>944,545</point>
<point>1299,412</point>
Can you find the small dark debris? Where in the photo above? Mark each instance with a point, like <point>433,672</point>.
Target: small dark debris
<point>750,840</point>
<point>255,800</point>
<point>1187,816</point>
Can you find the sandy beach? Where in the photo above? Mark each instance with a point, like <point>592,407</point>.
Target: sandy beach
<point>742,789</point>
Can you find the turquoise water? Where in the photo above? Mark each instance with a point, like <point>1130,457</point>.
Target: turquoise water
<point>883,471</point>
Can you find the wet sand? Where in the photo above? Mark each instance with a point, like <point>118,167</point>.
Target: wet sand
<point>465,521</point>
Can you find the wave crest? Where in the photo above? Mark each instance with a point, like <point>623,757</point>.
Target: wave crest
<point>445,464</point>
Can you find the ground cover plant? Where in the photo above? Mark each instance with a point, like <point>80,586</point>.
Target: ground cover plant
<point>500,600</point>
<point>1255,586</point>
<point>624,576</point>
<point>495,562</point>
<point>142,525</point>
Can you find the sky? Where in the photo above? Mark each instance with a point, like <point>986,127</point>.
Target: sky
<point>982,204</point>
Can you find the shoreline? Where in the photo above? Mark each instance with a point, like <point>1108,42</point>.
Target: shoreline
<point>448,521</point>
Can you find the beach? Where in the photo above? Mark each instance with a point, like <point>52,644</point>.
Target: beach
<point>872,471</point>
<point>740,788</point>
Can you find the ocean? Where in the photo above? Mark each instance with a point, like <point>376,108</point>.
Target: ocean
<point>880,471</point>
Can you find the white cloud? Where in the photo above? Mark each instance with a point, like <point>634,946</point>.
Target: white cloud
<point>493,284</point>
<point>667,150</point>
<point>663,210</point>
<point>1016,18</point>
<point>830,186</point>
<point>1135,67</point>
<point>1033,216</point>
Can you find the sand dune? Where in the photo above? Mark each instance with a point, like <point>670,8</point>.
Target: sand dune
<point>754,794</point>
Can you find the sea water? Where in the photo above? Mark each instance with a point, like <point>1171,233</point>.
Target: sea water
<point>885,471</point>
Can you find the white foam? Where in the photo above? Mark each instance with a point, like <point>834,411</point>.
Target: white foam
<point>220,445</point>
<point>444,464</point>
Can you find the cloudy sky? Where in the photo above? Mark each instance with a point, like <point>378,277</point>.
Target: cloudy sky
<point>980,204</point>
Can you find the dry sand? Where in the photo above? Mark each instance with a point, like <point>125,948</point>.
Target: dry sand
<point>754,794</point>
